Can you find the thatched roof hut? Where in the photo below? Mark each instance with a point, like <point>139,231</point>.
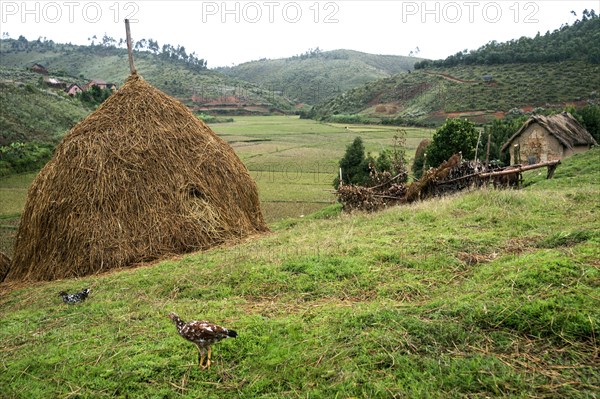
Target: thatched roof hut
<point>547,138</point>
<point>138,179</point>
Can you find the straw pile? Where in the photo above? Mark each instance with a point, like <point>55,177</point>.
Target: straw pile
<point>426,186</point>
<point>139,179</point>
<point>4,265</point>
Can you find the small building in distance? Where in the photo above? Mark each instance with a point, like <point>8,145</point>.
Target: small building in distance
<point>101,84</point>
<point>73,89</point>
<point>54,82</point>
<point>38,68</point>
<point>547,138</point>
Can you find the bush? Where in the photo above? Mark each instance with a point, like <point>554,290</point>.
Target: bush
<point>345,118</point>
<point>94,96</point>
<point>456,135</point>
<point>361,170</point>
<point>355,168</point>
<point>213,119</point>
<point>589,116</point>
<point>501,130</point>
<point>24,157</point>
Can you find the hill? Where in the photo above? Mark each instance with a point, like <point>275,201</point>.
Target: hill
<point>429,96</point>
<point>33,112</point>
<point>553,70</point>
<point>317,75</point>
<point>171,70</point>
<point>580,41</point>
<point>485,294</point>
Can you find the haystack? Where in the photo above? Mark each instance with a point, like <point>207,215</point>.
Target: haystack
<point>4,265</point>
<point>138,179</point>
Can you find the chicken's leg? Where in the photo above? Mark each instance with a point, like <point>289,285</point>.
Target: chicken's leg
<point>208,359</point>
<point>201,355</point>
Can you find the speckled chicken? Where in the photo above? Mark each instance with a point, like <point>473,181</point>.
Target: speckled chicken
<point>203,334</point>
<point>74,298</point>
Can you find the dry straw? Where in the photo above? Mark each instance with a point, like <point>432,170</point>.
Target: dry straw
<point>138,179</point>
<point>4,265</point>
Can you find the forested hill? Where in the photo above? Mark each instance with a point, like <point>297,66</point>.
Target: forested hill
<point>577,42</point>
<point>316,75</point>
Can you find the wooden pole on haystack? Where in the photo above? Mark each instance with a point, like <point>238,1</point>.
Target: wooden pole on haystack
<point>129,47</point>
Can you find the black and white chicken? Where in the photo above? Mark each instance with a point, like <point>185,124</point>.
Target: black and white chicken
<point>74,298</point>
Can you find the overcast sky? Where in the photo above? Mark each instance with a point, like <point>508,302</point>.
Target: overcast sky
<point>231,32</point>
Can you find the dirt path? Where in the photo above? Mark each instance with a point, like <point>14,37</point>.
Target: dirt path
<point>451,78</point>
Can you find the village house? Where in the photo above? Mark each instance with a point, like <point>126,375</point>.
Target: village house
<point>547,138</point>
<point>73,89</point>
<point>53,82</point>
<point>38,68</point>
<point>101,84</point>
<point>96,82</point>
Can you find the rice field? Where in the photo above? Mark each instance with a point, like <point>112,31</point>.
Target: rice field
<point>294,161</point>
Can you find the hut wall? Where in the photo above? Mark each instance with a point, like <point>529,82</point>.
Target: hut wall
<point>537,145</point>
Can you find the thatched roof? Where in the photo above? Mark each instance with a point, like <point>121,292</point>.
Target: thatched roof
<point>563,126</point>
<point>138,179</point>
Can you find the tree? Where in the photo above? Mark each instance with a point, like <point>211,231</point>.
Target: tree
<point>456,135</point>
<point>362,170</point>
<point>355,168</point>
<point>589,116</point>
<point>501,130</point>
<point>153,46</point>
<point>392,163</point>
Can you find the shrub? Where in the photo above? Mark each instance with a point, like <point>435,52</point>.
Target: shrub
<point>456,135</point>
<point>361,170</point>
<point>355,168</point>
<point>24,157</point>
<point>589,116</point>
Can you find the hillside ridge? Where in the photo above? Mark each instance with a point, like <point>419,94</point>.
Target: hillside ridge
<point>317,75</point>
<point>554,70</point>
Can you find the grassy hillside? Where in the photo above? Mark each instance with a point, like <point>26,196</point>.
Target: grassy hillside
<point>316,76</point>
<point>31,112</point>
<point>484,294</point>
<point>176,77</point>
<point>430,95</point>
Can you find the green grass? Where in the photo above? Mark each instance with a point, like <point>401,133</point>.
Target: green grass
<point>482,294</point>
<point>13,194</point>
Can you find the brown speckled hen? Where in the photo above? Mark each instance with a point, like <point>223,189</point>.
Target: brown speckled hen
<point>203,334</point>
